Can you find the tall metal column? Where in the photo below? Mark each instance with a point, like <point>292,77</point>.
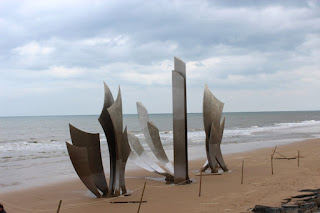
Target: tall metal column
<point>180,138</point>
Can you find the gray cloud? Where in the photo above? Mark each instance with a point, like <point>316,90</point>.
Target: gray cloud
<point>54,46</point>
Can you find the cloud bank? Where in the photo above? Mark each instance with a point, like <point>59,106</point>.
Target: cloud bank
<point>254,55</point>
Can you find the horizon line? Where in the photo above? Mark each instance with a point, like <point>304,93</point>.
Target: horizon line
<point>162,113</point>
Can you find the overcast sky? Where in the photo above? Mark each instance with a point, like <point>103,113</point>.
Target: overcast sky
<point>254,55</point>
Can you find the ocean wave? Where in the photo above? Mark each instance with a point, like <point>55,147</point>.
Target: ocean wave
<point>46,146</point>
<point>236,135</point>
<point>33,146</point>
<point>270,128</point>
<point>303,123</point>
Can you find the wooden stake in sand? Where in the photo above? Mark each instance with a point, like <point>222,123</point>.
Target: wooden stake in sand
<point>298,158</point>
<point>242,172</point>
<point>59,206</point>
<point>200,184</point>
<point>274,151</point>
<point>128,201</point>
<point>272,164</point>
<point>282,156</point>
<point>285,158</point>
<point>142,196</point>
<point>209,174</point>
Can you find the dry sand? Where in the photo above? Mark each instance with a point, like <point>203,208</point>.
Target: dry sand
<point>220,193</point>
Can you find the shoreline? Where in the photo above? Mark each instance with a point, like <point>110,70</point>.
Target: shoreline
<point>195,153</point>
<point>36,158</point>
<point>221,193</point>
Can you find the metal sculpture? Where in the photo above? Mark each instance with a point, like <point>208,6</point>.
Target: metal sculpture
<point>92,144</point>
<point>152,137</point>
<point>212,113</point>
<point>86,146</point>
<point>141,157</point>
<point>85,153</point>
<point>122,148</point>
<point>80,162</point>
<point>107,126</point>
<point>124,154</point>
<point>180,138</point>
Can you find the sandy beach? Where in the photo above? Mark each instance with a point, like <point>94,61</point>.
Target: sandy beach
<point>117,87</point>
<point>219,193</point>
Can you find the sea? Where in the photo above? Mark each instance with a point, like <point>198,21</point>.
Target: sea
<point>33,148</point>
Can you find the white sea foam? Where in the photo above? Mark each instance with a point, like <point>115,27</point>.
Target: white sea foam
<point>270,128</point>
<point>195,136</point>
<point>40,154</point>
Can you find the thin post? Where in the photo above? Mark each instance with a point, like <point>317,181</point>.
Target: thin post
<point>58,210</point>
<point>142,196</point>
<point>210,174</point>
<point>128,201</point>
<point>298,158</point>
<point>271,164</point>
<point>285,158</point>
<point>242,172</point>
<point>281,155</point>
<point>200,184</point>
<point>274,151</point>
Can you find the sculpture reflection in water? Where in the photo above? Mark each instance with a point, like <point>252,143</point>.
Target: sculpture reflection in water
<point>85,153</point>
<point>213,127</point>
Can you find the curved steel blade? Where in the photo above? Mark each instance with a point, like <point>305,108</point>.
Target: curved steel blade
<point>115,111</point>
<point>180,137</point>
<point>212,152</point>
<point>212,112</point>
<point>124,155</point>
<point>153,138</point>
<point>92,143</point>
<point>107,126</point>
<point>80,162</point>
<point>142,155</point>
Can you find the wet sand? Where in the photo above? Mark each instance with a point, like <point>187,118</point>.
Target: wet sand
<point>219,193</point>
